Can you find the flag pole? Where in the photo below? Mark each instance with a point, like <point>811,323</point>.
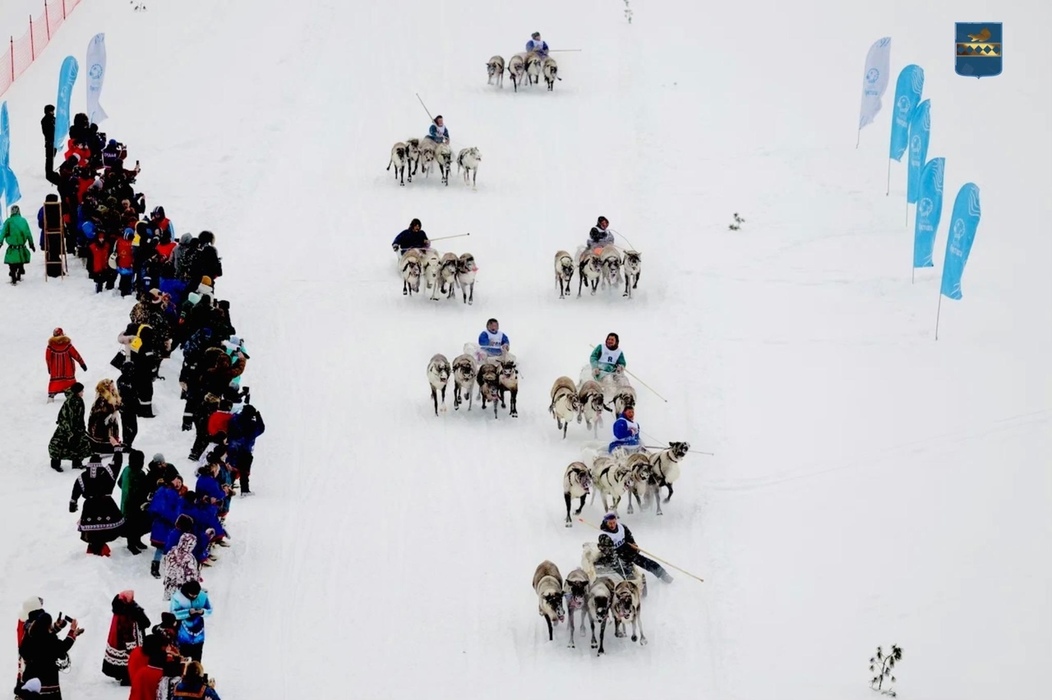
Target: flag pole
<point>938,311</point>
<point>859,139</point>
<point>888,191</point>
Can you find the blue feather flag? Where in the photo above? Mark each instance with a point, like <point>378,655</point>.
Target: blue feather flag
<point>929,212</point>
<point>908,89</point>
<point>920,134</point>
<point>67,76</point>
<point>963,223</point>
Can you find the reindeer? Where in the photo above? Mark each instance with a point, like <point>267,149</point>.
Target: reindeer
<point>610,261</point>
<point>412,156</point>
<point>590,269</point>
<point>590,396</point>
<point>548,585</point>
<point>429,267</point>
<point>575,591</point>
<point>533,68</point>
<point>633,266</point>
<point>410,266</point>
<point>509,382</point>
<point>464,369</point>
<point>639,465</point>
<point>445,282</point>
<point>628,604</point>
<point>550,71</point>
<point>565,404</point>
<point>563,273</point>
<point>426,153</point>
<point>444,158</point>
<point>624,398</point>
<point>488,379</point>
<point>612,479</point>
<point>517,70</point>
<point>399,157</point>
<point>495,71</point>
<point>466,269</point>
<point>438,371</point>
<point>600,600</point>
<point>469,159</point>
<point>577,483</point>
<point>665,469</point>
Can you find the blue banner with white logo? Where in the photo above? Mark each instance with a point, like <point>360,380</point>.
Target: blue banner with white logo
<point>67,76</point>
<point>929,212</point>
<point>920,133</point>
<point>963,223</point>
<point>9,189</point>
<point>908,89</point>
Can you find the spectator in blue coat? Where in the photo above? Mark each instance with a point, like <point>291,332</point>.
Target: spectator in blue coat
<point>537,45</point>
<point>190,605</point>
<point>492,341</point>
<point>626,431</point>
<point>438,131</point>
<point>165,507</point>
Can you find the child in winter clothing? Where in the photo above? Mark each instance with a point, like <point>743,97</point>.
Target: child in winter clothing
<point>190,605</point>
<point>180,565</point>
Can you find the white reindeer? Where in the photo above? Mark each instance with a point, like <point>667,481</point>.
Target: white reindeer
<point>464,369</point>
<point>565,405</point>
<point>445,283</point>
<point>550,70</point>
<point>590,270</point>
<point>409,264</point>
<point>444,158</point>
<point>466,269</point>
<point>517,70</point>
<point>633,267</point>
<point>610,261</point>
<point>469,159</point>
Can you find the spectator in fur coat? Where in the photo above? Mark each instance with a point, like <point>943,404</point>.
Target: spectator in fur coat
<point>127,627</point>
<point>70,440</point>
<point>104,421</point>
<point>62,360</point>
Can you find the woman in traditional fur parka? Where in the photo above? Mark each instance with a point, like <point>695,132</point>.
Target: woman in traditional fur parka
<point>62,360</point>
<point>180,565</point>
<point>127,628</point>
<point>70,440</point>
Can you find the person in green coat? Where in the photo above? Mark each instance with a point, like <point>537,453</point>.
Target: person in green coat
<point>135,493</point>
<point>17,236</point>
<point>70,440</point>
<point>607,358</point>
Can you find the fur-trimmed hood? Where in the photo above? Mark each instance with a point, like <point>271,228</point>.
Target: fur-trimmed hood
<point>59,342</point>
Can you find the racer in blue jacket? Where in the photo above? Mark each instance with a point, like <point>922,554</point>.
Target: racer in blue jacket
<point>438,131</point>
<point>537,45</point>
<point>626,431</point>
<point>492,341</point>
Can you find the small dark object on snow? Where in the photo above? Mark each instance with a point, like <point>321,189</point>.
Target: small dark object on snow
<point>882,665</point>
<point>738,221</point>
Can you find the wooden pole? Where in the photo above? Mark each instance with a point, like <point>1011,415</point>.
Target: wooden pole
<point>446,238</point>
<point>649,554</point>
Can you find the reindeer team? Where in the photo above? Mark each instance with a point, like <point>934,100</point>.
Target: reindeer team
<point>639,476</point>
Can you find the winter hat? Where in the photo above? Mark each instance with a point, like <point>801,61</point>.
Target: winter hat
<point>437,118</point>
<point>190,589</point>
<point>610,516</point>
<point>136,459</point>
<point>15,210</point>
<point>535,35</point>
<point>77,387</point>
<point>31,605</point>
<point>207,237</point>
<point>57,331</point>
<point>158,458</point>
<point>185,239</point>
<point>169,620</point>
<point>113,142</point>
<point>206,281</point>
<point>127,596</point>
<point>129,234</point>
<point>601,219</point>
<point>31,686</point>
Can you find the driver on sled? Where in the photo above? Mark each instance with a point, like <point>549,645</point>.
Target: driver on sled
<point>626,432</point>
<point>607,359</point>
<point>492,341</point>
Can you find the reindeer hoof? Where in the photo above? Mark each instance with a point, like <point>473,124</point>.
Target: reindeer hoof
<point>569,524</point>
<point>643,641</point>
<point>635,638</point>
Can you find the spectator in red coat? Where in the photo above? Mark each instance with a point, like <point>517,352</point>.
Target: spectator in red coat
<point>61,358</point>
<point>99,263</point>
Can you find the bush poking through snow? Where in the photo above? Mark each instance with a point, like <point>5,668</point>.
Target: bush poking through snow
<point>738,221</point>
<point>882,666</point>
<point>628,12</point>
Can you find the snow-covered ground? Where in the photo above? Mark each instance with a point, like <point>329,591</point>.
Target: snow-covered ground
<point>870,485</point>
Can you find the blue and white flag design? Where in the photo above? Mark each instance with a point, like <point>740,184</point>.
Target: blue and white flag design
<point>908,90</point>
<point>96,62</point>
<point>67,76</point>
<point>875,80</point>
<point>920,134</point>
<point>929,212</point>
<point>963,223</point>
